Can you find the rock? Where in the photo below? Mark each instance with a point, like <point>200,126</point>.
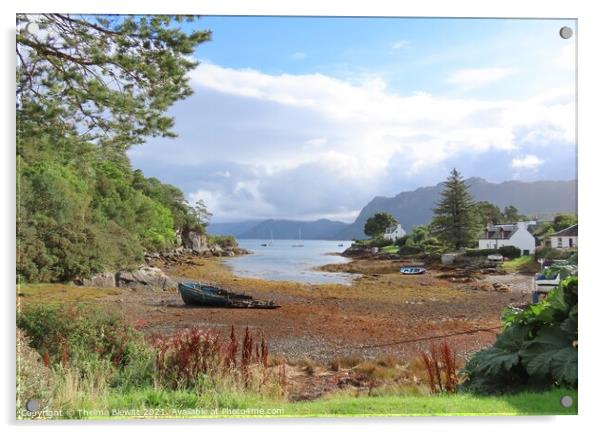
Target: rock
<point>194,241</point>
<point>100,280</point>
<point>145,277</point>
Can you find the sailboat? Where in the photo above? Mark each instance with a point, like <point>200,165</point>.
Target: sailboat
<point>298,244</point>
<point>268,243</point>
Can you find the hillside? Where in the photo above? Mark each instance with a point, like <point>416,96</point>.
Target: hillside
<point>322,229</point>
<point>410,208</point>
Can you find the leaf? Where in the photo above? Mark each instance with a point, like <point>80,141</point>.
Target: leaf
<point>551,353</point>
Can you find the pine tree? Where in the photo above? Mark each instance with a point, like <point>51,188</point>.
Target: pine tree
<point>455,221</point>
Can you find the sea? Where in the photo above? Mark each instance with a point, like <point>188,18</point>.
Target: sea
<point>282,261</point>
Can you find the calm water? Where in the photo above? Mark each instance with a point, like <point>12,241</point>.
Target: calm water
<point>281,261</point>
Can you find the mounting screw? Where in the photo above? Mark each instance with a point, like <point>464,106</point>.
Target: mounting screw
<point>566,32</point>
<point>566,401</point>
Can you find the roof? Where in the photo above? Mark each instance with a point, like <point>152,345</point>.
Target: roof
<point>499,232</point>
<point>571,231</point>
<point>392,229</point>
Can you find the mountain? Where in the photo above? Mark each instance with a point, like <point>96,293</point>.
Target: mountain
<point>322,229</point>
<point>536,199</point>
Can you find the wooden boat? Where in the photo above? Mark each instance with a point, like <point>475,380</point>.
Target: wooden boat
<point>198,294</point>
<point>412,270</point>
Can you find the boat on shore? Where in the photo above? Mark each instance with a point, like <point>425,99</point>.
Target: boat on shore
<point>199,294</point>
<point>412,270</point>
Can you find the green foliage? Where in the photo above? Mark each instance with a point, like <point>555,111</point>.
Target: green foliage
<point>537,348</point>
<point>488,213</point>
<point>455,221</point>
<point>511,252</point>
<point>563,221</point>
<point>480,252</point>
<point>224,241</point>
<point>89,340</point>
<point>377,224</point>
<point>511,215</point>
<point>421,240</point>
<point>87,90</point>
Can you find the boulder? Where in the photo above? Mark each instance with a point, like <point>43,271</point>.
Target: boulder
<point>145,277</point>
<point>194,241</point>
<point>100,280</point>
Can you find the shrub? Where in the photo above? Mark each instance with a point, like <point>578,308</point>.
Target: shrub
<point>537,348</point>
<point>34,378</point>
<point>510,252</point>
<point>480,252</point>
<point>224,241</point>
<point>409,250</point>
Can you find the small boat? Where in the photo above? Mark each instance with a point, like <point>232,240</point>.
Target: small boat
<point>412,270</point>
<point>298,244</point>
<point>199,294</point>
<point>269,243</point>
<point>341,245</point>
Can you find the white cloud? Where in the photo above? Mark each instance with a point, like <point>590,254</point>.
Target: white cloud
<point>299,55</point>
<point>307,145</point>
<point>398,45</point>
<point>527,162</point>
<point>317,142</point>
<point>473,78</point>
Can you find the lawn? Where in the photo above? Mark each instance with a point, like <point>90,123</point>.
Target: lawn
<point>180,404</point>
<point>524,264</point>
<point>390,249</point>
<point>546,403</point>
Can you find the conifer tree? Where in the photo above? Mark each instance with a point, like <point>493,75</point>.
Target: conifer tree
<point>455,221</point>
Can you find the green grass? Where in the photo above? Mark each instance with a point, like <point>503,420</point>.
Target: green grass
<point>532,403</point>
<point>526,264</point>
<point>152,403</point>
<point>390,249</point>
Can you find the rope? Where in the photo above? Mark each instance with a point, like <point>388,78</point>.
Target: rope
<point>411,341</point>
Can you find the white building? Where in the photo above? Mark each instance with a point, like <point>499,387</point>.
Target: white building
<point>516,234</point>
<point>564,239</point>
<point>393,233</point>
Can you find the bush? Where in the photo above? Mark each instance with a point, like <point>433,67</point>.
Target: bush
<point>224,241</point>
<point>34,378</point>
<point>537,348</point>
<point>409,250</point>
<point>481,252</point>
<point>552,254</point>
<point>510,252</point>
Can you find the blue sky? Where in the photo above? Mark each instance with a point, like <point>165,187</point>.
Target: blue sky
<point>312,117</point>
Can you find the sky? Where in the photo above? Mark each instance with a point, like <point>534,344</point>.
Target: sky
<point>311,117</point>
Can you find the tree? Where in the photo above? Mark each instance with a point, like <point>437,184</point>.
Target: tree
<point>202,212</point>
<point>511,215</point>
<point>88,88</point>
<point>488,213</point>
<point>563,221</point>
<point>455,221</point>
<point>112,77</point>
<point>377,224</point>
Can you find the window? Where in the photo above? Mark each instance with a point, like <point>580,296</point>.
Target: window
<point>570,242</point>
<point>559,242</point>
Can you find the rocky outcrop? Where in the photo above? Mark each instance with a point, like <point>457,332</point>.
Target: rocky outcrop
<point>194,241</point>
<point>145,277</point>
<point>100,280</point>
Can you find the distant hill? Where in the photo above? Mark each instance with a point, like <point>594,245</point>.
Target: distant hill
<point>542,199</point>
<point>322,229</point>
<point>536,199</point>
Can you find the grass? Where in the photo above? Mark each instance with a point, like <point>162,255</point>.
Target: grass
<point>529,403</point>
<point>390,249</point>
<point>152,403</point>
<point>523,264</point>
<point>51,293</point>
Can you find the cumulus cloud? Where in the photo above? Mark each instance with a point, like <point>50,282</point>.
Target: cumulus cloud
<point>474,78</point>
<point>311,145</point>
<point>527,162</point>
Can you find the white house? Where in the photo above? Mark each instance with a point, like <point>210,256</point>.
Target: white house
<point>393,233</point>
<point>516,234</point>
<point>564,239</point>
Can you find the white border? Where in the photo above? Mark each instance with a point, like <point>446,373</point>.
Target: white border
<point>589,124</point>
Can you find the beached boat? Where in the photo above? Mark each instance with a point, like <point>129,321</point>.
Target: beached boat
<point>199,294</point>
<point>412,270</point>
